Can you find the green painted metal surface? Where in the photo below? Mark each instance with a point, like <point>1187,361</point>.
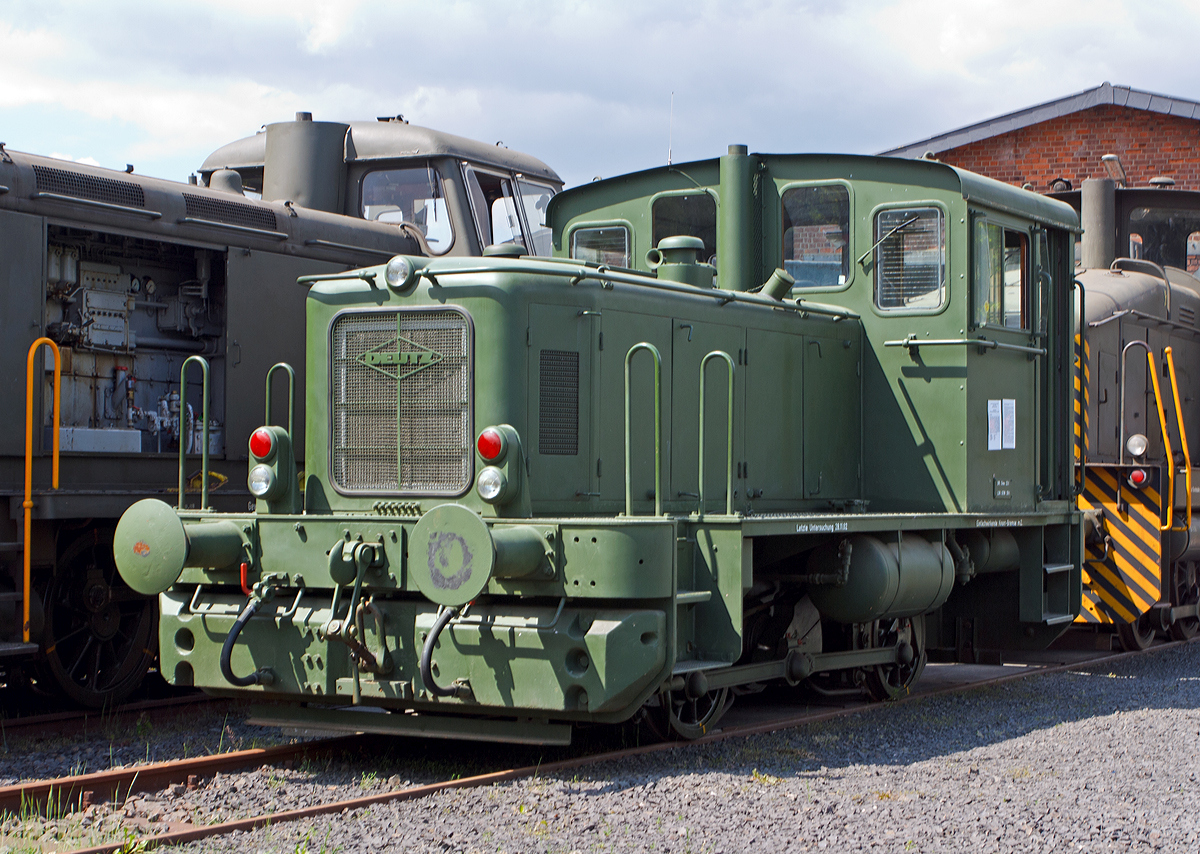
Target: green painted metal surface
<point>871,401</point>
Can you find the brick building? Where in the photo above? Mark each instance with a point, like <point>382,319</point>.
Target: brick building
<point>1153,135</point>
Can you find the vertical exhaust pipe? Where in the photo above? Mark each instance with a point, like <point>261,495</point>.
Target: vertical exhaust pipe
<point>306,163</point>
<point>735,222</point>
<point>1098,216</point>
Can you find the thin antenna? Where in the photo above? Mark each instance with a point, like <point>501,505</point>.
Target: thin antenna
<point>671,129</point>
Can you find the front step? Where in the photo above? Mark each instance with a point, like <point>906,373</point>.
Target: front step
<point>1056,598</point>
<point>16,649</point>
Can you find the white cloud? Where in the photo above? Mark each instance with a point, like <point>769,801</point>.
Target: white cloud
<point>583,84</point>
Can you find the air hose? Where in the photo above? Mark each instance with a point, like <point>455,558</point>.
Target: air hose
<point>443,619</point>
<point>259,676</point>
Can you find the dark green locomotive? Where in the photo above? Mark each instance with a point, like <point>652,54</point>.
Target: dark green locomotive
<point>765,417</point>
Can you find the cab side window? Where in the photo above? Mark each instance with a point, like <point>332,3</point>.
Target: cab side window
<point>1001,276</point>
<point>494,206</point>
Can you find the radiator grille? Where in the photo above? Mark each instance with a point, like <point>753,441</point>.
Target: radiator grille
<point>107,190</point>
<point>558,396</point>
<point>401,389</point>
<point>233,213</point>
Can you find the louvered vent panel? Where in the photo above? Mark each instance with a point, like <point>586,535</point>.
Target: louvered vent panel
<point>107,190</point>
<point>1187,316</point>
<point>401,388</point>
<point>558,396</point>
<point>232,213</point>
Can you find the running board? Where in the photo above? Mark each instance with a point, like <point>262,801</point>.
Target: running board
<point>17,649</point>
<point>370,719</point>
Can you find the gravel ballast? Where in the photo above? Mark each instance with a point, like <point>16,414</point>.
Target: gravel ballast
<point>1098,758</point>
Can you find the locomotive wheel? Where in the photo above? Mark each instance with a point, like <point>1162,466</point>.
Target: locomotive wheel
<point>99,634</point>
<point>676,716</point>
<point>889,681</point>
<point>1187,592</point>
<point>1137,635</point>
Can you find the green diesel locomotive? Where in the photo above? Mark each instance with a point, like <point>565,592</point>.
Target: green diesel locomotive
<point>797,418</point>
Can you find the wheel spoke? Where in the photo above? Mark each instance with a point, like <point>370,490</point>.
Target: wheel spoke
<point>74,667</point>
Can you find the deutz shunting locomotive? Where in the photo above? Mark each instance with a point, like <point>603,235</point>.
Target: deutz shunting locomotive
<point>127,277</point>
<point>804,418</point>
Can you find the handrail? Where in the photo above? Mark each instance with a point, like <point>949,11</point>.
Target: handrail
<point>912,342</point>
<point>26,589</point>
<point>1183,440</point>
<point>1141,315</point>
<point>1134,264</point>
<point>606,276</point>
<point>1121,393</point>
<point>1166,436</point>
<point>657,429</point>
<point>1081,392</point>
<point>291,394</point>
<point>204,415</point>
<point>718,354</point>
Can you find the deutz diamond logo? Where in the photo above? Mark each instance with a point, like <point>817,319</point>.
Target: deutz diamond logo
<point>388,359</point>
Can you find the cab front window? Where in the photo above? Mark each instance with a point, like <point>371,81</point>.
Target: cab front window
<point>410,195</point>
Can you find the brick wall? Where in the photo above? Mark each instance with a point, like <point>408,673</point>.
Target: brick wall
<point>1149,144</point>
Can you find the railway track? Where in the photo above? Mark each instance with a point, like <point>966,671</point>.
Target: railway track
<point>752,719</point>
<point>79,720</point>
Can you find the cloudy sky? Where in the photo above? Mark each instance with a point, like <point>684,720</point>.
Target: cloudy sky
<point>586,86</point>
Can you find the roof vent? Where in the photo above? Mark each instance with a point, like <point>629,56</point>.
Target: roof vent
<point>227,181</point>
<point>304,117</point>
<point>1162,182</point>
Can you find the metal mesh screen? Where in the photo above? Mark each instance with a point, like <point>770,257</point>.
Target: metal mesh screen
<point>233,213</point>
<point>558,402</point>
<point>910,259</point>
<point>66,183</point>
<point>401,389</point>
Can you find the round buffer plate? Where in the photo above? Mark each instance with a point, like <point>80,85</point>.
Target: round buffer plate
<point>150,546</point>
<point>451,555</point>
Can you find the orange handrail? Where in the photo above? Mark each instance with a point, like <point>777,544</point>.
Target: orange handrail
<point>1183,440</point>
<point>1166,437</point>
<point>28,505</point>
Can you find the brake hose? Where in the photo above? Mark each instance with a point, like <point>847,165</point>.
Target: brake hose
<point>443,619</point>
<point>257,676</point>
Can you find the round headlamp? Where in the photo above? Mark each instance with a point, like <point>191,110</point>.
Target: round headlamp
<point>491,484</point>
<point>1137,444</point>
<point>261,481</point>
<point>399,273</point>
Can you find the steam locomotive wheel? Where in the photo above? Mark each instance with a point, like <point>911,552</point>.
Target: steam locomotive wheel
<point>890,681</point>
<point>1187,592</point>
<point>1137,635</point>
<point>99,634</point>
<point>676,716</point>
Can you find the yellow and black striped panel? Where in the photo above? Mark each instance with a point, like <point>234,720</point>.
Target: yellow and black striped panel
<point>1124,586</point>
<point>1083,374</point>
